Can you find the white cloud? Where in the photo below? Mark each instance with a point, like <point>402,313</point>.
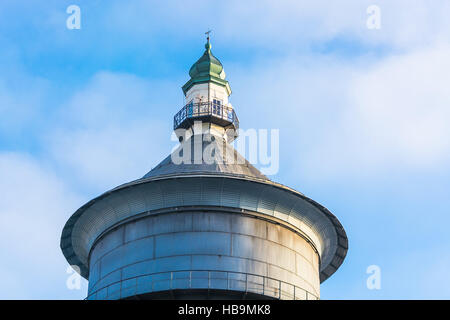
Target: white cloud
<point>33,209</point>
<point>404,102</point>
<point>355,119</point>
<point>423,272</point>
<point>397,116</point>
<point>19,109</point>
<point>286,24</point>
<point>111,131</point>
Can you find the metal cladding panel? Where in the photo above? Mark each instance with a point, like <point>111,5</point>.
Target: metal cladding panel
<point>295,222</point>
<point>199,243</point>
<point>137,230</point>
<point>275,233</point>
<point>153,195</point>
<point>230,193</point>
<point>97,218</point>
<point>138,269</point>
<point>136,201</point>
<point>175,222</point>
<point>82,225</point>
<point>248,226</point>
<point>103,283</point>
<point>80,240</point>
<point>301,211</point>
<point>94,274</point>
<point>111,261</point>
<point>328,248</point>
<point>211,191</point>
<point>171,198</point>
<point>304,268</point>
<point>104,216</point>
<point>303,249</point>
<point>204,221</point>
<point>263,250</point>
<point>119,204</point>
<point>192,193</point>
<point>250,198</point>
<point>115,239</point>
<point>285,203</point>
<point>138,250</point>
<point>267,201</point>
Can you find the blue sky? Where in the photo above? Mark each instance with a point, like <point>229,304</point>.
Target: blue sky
<point>363,115</point>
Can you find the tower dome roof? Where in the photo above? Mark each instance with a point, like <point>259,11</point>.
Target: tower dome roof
<point>207,69</point>
<point>225,161</point>
<point>208,64</point>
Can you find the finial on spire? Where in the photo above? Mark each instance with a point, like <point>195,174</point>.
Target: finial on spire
<point>208,44</point>
<point>207,35</point>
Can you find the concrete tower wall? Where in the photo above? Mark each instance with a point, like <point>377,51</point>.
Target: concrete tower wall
<point>203,250</point>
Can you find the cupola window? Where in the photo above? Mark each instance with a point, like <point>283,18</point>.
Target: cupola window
<point>217,106</point>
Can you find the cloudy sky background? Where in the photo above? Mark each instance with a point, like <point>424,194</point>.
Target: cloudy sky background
<point>364,120</point>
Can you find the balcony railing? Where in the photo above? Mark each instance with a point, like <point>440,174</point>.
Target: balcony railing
<point>223,114</point>
<point>201,279</point>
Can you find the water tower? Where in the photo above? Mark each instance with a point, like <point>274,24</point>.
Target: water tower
<point>204,227</point>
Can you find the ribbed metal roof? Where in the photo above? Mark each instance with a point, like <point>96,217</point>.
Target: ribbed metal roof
<point>216,156</point>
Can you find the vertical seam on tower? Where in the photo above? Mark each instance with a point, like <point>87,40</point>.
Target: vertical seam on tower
<point>154,247</point>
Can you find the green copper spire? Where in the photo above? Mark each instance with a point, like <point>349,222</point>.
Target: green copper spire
<point>207,69</point>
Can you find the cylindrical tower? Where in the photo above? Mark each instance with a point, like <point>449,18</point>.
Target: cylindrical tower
<point>204,223</point>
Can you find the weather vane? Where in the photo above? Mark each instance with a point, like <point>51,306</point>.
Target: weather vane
<point>207,34</point>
